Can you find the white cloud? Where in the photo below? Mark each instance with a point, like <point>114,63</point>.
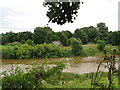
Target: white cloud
<point>22,15</point>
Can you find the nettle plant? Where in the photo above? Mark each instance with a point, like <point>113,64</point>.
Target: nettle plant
<point>109,63</point>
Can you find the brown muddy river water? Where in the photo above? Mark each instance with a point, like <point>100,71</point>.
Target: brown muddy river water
<point>78,65</point>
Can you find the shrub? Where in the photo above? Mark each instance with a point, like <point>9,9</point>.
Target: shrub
<point>8,52</point>
<point>101,45</point>
<point>34,78</point>
<point>23,51</point>
<point>77,47</point>
<point>46,51</point>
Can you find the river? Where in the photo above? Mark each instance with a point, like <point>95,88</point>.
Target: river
<point>78,65</point>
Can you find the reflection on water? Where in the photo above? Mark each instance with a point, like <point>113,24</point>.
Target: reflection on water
<point>76,65</point>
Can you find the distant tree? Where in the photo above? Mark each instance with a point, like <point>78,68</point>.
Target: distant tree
<point>63,38</point>
<point>50,36</point>
<point>68,34</point>
<point>101,45</point>
<point>9,37</point>
<point>92,33</point>
<point>62,12</point>
<point>115,38</point>
<point>102,26</point>
<point>110,37</point>
<point>82,35</point>
<point>4,40</point>
<point>77,47</point>
<point>41,35</point>
<point>103,30</point>
<point>24,36</point>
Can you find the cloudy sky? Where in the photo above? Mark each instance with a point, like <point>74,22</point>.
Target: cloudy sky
<point>25,15</point>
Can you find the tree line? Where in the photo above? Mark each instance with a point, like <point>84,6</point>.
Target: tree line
<point>42,35</point>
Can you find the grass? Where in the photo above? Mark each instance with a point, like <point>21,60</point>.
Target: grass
<point>91,50</point>
<point>77,81</point>
<point>110,48</point>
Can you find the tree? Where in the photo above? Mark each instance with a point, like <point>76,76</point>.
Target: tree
<point>63,38</point>
<point>101,45</point>
<point>62,12</point>
<point>82,35</point>
<point>92,33</point>
<point>77,47</point>
<point>103,30</point>
<point>115,38</point>
<point>9,37</point>
<point>41,35</point>
<point>102,26</point>
<point>68,34</point>
<point>23,36</point>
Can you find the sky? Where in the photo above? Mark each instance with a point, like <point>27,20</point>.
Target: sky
<point>26,15</point>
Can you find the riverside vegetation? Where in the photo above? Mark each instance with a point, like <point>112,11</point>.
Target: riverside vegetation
<point>43,76</point>
<point>25,45</point>
<point>87,41</point>
<point>26,51</point>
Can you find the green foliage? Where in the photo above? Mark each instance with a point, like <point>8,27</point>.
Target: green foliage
<point>46,35</point>
<point>101,45</point>
<point>17,79</point>
<point>77,47</point>
<point>102,26</point>
<point>82,35</point>
<point>29,42</point>
<point>91,50</point>
<point>63,38</point>
<point>62,12</point>
<point>68,34</point>
<point>43,35</point>
<point>24,36</point>
<point>52,78</point>
<point>66,52</point>
<point>26,51</point>
<point>109,63</point>
<point>92,33</point>
<point>8,52</point>
<point>115,38</point>
<point>23,52</point>
<point>103,31</point>
<point>46,51</point>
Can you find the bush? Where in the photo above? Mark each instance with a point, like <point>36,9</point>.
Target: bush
<point>66,52</point>
<point>34,78</point>
<point>77,47</point>
<point>101,45</point>
<point>23,51</point>
<point>8,52</point>
<point>46,51</point>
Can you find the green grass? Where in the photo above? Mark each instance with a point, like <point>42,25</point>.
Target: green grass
<point>91,50</point>
<point>109,48</point>
<point>77,81</point>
